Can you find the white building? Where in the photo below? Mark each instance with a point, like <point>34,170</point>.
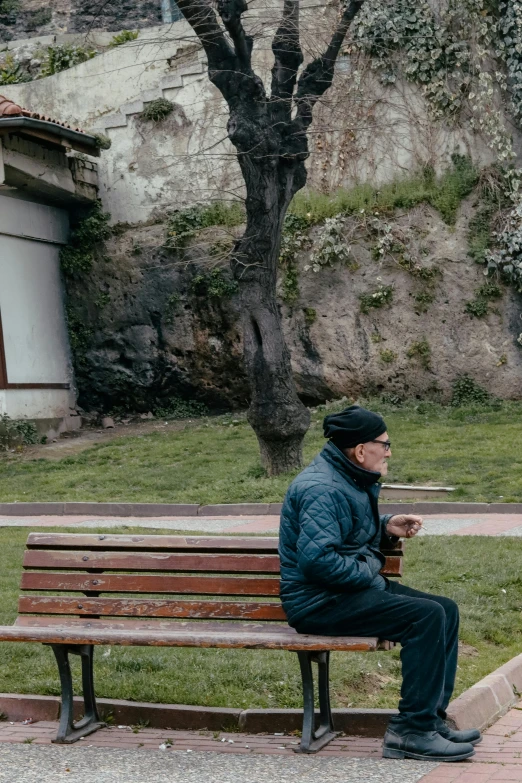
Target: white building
<point>40,183</point>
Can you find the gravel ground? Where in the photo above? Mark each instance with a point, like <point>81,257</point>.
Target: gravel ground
<point>443,526</point>
<point>197,524</point>
<point>515,531</point>
<point>43,764</point>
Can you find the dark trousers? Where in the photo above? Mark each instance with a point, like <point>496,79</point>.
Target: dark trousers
<point>427,628</point>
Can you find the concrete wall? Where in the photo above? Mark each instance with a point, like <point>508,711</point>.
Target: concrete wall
<point>362,132</point>
<point>31,305</point>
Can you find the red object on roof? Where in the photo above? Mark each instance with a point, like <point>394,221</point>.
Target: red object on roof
<point>9,108</point>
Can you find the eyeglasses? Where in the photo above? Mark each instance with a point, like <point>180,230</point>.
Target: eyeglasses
<point>385,443</point>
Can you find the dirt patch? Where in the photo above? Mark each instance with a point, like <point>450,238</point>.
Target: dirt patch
<point>72,443</point>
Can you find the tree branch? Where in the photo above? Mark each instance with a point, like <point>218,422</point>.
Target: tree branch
<point>204,22</point>
<point>317,77</point>
<point>230,12</point>
<point>288,58</point>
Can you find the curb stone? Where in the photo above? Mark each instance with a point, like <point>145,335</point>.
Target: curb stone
<point>478,707</point>
<point>363,723</point>
<point>489,699</point>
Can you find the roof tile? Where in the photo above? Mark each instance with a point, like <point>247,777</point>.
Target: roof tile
<point>9,108</point>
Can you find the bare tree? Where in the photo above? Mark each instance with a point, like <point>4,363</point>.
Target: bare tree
<point>269,133</point>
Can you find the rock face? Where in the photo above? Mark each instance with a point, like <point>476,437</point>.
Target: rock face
<point>155,331</point>
<point>21,19</point>
<point>148,332</point>
<point>116,15</point>
<point>345,351</point>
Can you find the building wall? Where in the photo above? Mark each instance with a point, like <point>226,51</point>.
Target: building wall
<point>32,311</point>
<point>361,133</point>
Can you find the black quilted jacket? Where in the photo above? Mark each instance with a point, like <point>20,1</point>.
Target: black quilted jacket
<point>330,534</point>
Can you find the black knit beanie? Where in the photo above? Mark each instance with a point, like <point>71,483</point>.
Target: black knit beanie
<point>352,426</point>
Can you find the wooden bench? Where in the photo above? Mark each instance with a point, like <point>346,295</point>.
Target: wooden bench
<point>82,590</point>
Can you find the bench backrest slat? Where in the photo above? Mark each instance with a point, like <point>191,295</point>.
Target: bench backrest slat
<point>135,607</point>
<point>152,561</point>
<point>114,542</point>
<point>147,583</point>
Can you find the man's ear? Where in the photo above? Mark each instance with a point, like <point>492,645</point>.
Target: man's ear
<point>358,452</point>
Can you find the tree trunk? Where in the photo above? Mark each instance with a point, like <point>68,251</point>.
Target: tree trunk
<point>277,416</point>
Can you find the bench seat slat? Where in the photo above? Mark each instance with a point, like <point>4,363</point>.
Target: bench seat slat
<point>143,607</point>
<point>152,561</point>
<point>147,583</point>
<point>181,634</point>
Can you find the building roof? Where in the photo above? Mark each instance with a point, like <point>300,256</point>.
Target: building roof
<point>28,123</point>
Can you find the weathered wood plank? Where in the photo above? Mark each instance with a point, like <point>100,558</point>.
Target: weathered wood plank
<point>136,607</point>
<point>146,583</point>
<point>165,561</point>
<point>152,561</point>
<point>117,541</point>
<point>392,567</point>
<point>105,541</point>
<point>229,635</point>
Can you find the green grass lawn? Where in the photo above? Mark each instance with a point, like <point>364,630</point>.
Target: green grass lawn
<point>482,575</point>
<point>216,460</point>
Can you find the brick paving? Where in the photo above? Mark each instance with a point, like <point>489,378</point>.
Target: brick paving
<point>498,757</point>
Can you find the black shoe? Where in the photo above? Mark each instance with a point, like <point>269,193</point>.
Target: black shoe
<point>468,735</point>
<point>429,745</point>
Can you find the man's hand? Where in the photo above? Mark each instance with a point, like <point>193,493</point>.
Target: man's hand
<point>404,525</point>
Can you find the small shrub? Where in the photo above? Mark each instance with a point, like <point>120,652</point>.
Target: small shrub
<point>78,256</point>
<point>454,186</point>
<point>387,356</point>
<point>331,247</point>
<point>490,290</point>
<point>178,408</point>
<point>9,7</point>
<point>171,307</point>
<point>184,224</point>
<point>424,299</point>
<point>290,286</point>
<point>422,351</point>
<point>467,392</point>
<point>214,284</point>
<point>157,110</point>
<point>38,18</point>
<point>477,308</point>
<point>16,431</point>
<point>102,142</point>
<point>102,300</point>
<point>124,37</point>
<point>383,296</point>
<point>80,335</point>
<point>375,337</point>
<point>11,72</point>
<point>310,315</point>
<point>61,58</point>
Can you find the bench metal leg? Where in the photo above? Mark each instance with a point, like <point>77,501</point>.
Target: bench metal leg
<point>69,731</point>
<point>313,739</point>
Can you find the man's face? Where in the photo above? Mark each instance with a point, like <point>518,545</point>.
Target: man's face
<point>375,454</point>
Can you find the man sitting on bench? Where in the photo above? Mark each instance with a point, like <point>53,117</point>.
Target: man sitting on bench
<point>330,539</point>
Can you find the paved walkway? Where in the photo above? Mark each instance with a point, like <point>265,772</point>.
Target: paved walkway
<point>434,524</point>
<point>123,753</point>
